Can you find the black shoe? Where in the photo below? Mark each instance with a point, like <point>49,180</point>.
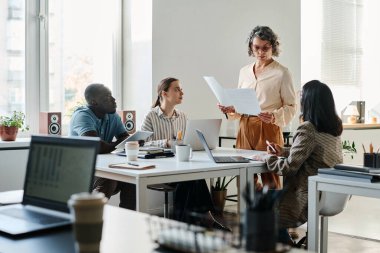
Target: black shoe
<point>216,224</point>
<point>220,226</point>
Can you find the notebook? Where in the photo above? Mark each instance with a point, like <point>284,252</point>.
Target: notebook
<point>57,167</point>
<point>220,159</point>
<point>210,128</point>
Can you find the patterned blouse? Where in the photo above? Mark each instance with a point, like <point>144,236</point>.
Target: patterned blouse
<point>310,151</point>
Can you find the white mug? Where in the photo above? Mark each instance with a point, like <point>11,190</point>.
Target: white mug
<point>184,152</point>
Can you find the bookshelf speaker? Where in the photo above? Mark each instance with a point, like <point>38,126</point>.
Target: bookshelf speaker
<point>129,120</point>
<point>50,123</point>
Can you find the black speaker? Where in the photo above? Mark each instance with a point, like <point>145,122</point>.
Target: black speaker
<point>50,123</point>
<point>129,120</point>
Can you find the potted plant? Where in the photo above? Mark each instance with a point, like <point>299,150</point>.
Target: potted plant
<point>219,193</point>
<point>348,148</point>
<point>9,125</point>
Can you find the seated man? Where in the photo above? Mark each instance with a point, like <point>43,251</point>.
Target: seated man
<point>99,119</point>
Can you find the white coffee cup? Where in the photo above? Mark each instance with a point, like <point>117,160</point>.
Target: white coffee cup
<point>131,150</point>
<point>184,152</point>
<point>87,214</point>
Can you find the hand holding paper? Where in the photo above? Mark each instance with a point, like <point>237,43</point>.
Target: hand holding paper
<point>226,109</point>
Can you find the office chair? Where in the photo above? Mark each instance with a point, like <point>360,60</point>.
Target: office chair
<point>330,204</point>
<point>166,188</point>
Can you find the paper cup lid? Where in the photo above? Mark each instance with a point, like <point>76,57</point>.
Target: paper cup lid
<point>88,198</point>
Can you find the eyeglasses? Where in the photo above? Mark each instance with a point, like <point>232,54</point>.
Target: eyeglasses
<point>264,49</point>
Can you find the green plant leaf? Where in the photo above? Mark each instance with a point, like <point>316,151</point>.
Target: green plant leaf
<point>17,119</point>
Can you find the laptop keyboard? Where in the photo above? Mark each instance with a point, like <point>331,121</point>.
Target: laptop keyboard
<point>32,216</point>
<point>227,159</point>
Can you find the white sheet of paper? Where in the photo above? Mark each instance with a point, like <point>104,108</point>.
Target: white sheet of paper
<point>218,90</point>
<point>244,100</point>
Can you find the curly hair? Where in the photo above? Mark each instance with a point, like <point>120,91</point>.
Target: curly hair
<point>267,34</point>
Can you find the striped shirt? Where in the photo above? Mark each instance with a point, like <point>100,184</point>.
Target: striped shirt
<point>164,128</point>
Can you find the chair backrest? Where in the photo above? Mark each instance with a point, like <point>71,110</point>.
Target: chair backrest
<point>332,203</point>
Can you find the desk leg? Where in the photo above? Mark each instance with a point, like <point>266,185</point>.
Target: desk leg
<point>242,184</point>
<point>141,196</point>
<point>324,234</point>
<point>313,217</point>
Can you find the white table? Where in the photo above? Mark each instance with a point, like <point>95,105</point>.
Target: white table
<point>318,184</point>
<point>169,170</point>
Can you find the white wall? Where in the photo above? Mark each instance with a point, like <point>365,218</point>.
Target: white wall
<point>196,38</point>
<point>208,37</point>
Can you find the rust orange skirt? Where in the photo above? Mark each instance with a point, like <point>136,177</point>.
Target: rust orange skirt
<point>252,135</point>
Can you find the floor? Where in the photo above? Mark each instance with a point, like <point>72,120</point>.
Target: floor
<point>356,229</point>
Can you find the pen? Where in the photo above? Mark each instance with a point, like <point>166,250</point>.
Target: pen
<point>370,148</point>
<point>364,148</point>
<point>270,146</point>
<point>133,164</point>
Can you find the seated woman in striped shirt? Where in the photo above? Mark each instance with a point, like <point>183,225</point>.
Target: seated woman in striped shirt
<point>165,121</point>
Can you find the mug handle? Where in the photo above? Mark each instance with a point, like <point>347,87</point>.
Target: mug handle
<point>191,153</point>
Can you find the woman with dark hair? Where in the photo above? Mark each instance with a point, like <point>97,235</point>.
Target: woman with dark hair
<point>317,144</point>
<point>275,93</point>
<point>164,120</point>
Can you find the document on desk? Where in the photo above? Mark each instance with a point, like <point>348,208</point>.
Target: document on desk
<point>133,166</point>
<point>244,100</point>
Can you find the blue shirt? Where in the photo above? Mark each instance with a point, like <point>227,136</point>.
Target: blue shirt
<point>84,120</point>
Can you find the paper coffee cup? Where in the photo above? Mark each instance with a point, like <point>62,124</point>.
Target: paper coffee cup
<point>87,214</point>
<point>131,150</point>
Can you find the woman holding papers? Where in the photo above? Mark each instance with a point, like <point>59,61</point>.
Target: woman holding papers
<point>317,144</point>
<point>168,124</point>
<point>274,89</point>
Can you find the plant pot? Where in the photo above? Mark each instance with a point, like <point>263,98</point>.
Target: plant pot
<point>8,133</point>
<point>219,199</point>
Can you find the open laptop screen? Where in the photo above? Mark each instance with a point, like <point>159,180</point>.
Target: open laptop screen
<point>58,167</point>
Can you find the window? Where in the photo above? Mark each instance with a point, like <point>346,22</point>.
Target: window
<point>12,54</point>
<point>339,47</point>
<point>82,44</point>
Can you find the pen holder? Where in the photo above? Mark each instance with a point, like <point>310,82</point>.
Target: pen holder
<point>260,230</point>
<point>371,160</point>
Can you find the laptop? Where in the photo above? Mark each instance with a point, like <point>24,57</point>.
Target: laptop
<point>210,128</point>
<point>220,159</point>
<point>57,167</point>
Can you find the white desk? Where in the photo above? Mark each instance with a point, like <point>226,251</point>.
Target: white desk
<point>169,170</point>
<point>318,184</point>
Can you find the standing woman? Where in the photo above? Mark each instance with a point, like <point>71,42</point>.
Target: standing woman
<point>273,85</point>
<point>164,120</point>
